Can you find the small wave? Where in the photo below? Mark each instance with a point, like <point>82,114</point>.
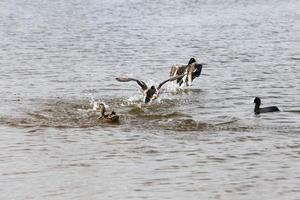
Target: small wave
<point>161,116</point>
<point>293,111</point>
<point>186,125</point>
<point>136,111</point>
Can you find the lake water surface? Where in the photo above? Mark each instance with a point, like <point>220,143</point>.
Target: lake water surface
<point>203,142</point>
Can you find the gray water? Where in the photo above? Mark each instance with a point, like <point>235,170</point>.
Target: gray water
<point>202,142</point>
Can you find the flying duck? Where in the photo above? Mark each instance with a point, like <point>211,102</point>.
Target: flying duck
<point>150,93</point>
<point>258,110</point>
<point>192,70</point>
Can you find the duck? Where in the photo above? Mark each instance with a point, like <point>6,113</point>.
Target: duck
<point>106,118</point>
<point>192,71</point>
<point>258,110</point>
<point>150,93</point>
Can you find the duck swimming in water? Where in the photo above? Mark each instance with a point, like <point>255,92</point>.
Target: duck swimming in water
<point>192,70</point>
<point>107,118</point>
<point>258,110</point>
<point>150,93</point>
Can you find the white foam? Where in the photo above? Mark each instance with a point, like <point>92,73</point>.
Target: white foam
<point>96,103</point>
<point>95,106</point>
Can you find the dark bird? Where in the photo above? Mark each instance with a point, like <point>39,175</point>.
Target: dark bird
<point>258,110</point>
<point>192,70</point>
<point>150,93</point>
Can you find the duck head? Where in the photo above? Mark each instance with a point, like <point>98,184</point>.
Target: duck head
<point>191,61</point>
<point>101,109</point>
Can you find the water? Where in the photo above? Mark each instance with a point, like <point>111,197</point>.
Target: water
<point>202,142</point>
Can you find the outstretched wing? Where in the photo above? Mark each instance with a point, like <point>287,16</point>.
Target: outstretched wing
<point>140,83</point>
<point>170,79</point>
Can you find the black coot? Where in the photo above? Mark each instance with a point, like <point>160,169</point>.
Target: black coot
<point>258,110</point>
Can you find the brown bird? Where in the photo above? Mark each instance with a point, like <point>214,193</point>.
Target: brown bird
<point>192,70</point>
<point>108,118</point>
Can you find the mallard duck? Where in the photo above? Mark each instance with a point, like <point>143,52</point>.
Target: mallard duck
<point>107,118</point>
<point>192,70</point>
<point>150,93</point>
<point>258,110</point>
